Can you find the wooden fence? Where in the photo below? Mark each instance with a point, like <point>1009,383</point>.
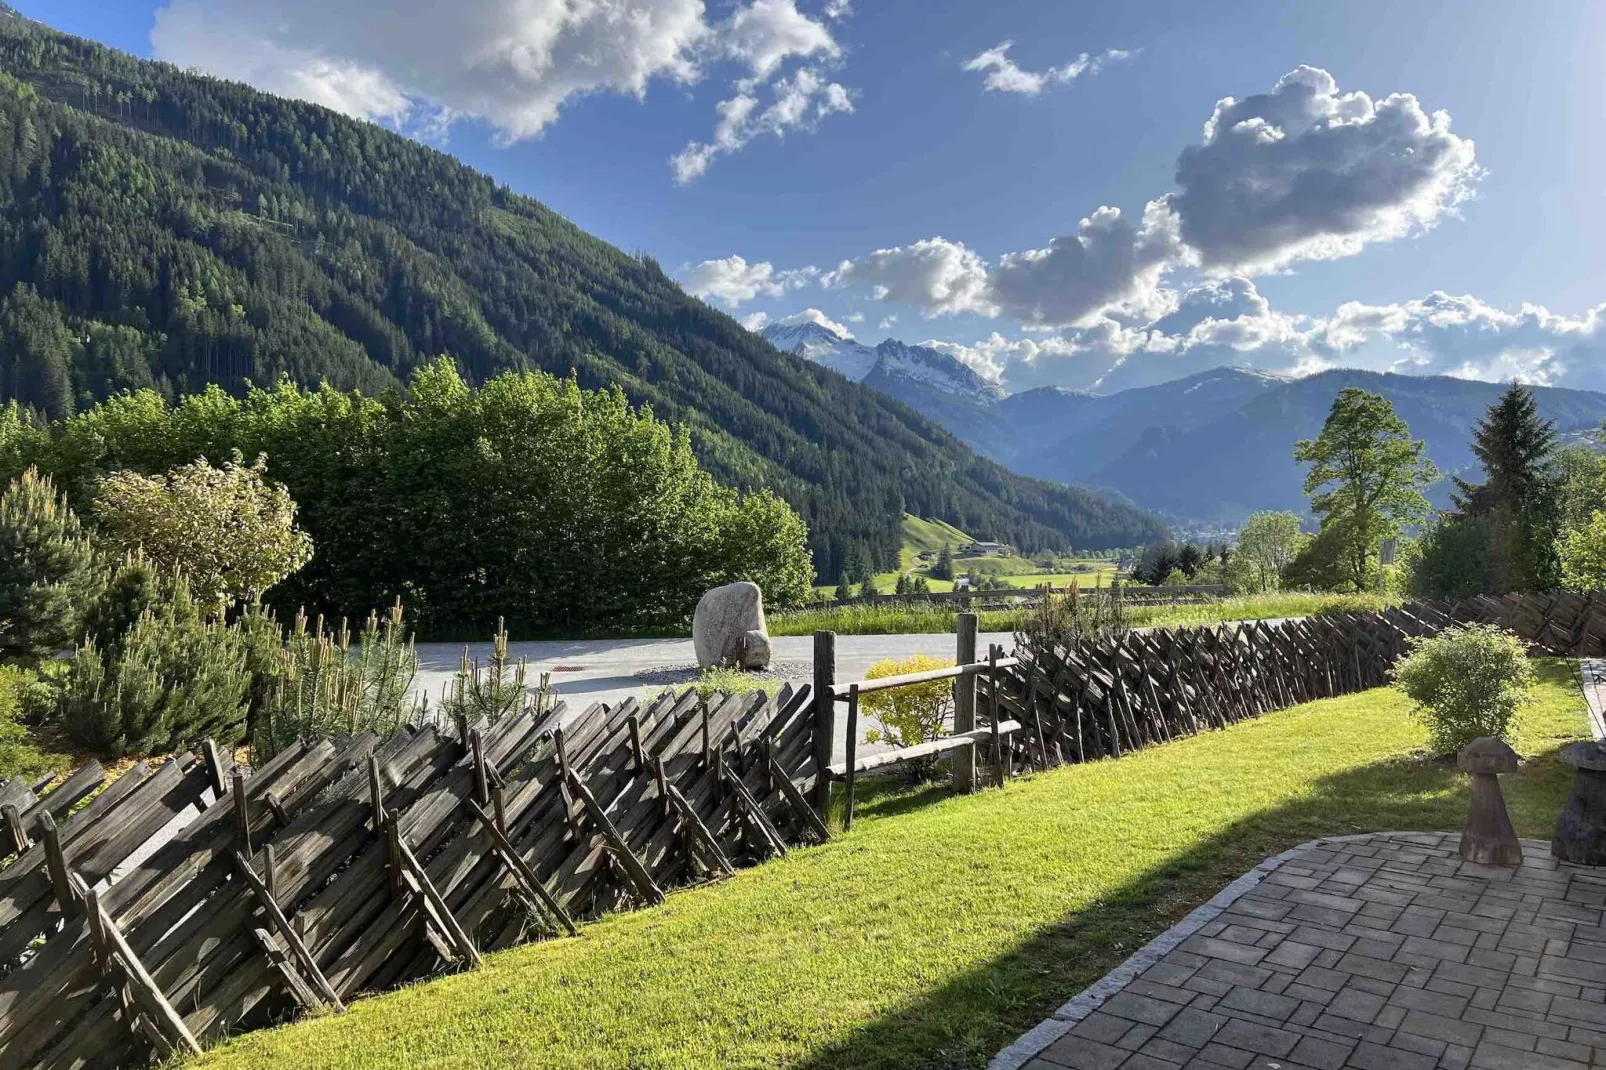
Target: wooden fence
<point>195,899</point>
<point>333,870</point>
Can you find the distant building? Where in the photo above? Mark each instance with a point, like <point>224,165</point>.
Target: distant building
<point>962,583</point>
<point>987,549</point>
<point>928,555</point>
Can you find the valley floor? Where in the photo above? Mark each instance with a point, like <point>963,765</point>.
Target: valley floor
<point>941,926</point>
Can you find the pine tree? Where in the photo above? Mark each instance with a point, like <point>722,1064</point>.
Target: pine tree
<point>844,587</point>
<point>1520,497</point>
<point>48,574</point>
<point>170,681</point>
<point>944,568</point>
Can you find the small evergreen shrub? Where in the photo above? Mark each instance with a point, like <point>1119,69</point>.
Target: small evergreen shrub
<point>1062,620</point>
<point>171,680</point>
<point>312,684</point>
<point>1466,682</point>
<point>484,694</point>
<point>48,572</point>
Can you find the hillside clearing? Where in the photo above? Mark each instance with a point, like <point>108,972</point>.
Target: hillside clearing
<point>941,926</point>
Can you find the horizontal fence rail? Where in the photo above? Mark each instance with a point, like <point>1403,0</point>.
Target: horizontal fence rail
<point>1130,592</point>
<point>185,901</point>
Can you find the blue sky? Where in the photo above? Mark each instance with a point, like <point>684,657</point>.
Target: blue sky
<point>1459,232</point>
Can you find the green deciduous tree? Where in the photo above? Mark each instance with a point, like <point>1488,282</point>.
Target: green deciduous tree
<point>231,532</point>
<point>1267,544</point>
<point>48,570</point>
<point>1583,555</point>
<point>1366,478</point>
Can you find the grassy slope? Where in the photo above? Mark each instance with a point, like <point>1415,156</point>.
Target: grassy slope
<point>942,926</point>
<point>913,618</point>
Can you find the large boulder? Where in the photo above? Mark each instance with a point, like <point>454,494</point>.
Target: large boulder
<point>720,627</point>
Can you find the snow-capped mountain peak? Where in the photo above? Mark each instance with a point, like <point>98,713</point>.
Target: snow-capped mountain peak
<point>886,366</point>
<point>817,342</point>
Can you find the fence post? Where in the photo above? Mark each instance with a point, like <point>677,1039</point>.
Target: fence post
<point>824,717</point>
<point>964,758</point>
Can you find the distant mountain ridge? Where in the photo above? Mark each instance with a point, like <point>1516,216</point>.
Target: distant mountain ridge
<point>1213,446</point>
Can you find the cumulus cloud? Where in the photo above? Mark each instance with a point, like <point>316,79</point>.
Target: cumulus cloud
<point>734,281</point>
<point>1108,264</point>
<point>936,275</point>
<point>1308,172</point>
<point>814,315</point>
<point>756,321</point>
<point>1228,322</point>
<point>1004,76</point>
<point>1301,172</point>
<point>512,63</point>
<point>1444,334</point>
<point>798,103</point>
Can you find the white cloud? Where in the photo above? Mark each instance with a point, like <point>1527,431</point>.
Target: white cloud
<point>1004,76</point>
<point>935,275</point>
<point>1444,334</point>
<point>886,323</point>
<point>1227,322</point>
<point>756,321</point>
<point>1107,264</point>
<point>512,63</point>
<point>837,9</point>
<point>1305,172</point>
<point>766,33</point>
<point>734,281</point>
<point>854,317</point>
<point>1301,172</point>
<point>814,315</point>
<point>800,102</point>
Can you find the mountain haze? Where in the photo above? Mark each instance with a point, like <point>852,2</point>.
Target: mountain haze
<point>166,230</point>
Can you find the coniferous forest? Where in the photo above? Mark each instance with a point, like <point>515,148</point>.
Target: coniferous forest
<point>162,229</point>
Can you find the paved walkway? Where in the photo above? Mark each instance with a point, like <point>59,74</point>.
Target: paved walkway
<point>604,670</point>
<point>1381,952</point>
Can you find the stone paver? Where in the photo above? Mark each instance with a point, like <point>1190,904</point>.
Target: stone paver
<point>1380,952</point>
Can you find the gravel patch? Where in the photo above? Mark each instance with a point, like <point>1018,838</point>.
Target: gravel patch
<point>688,674</point>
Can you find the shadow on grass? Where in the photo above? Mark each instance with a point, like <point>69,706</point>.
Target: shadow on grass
<point>965,1021</point>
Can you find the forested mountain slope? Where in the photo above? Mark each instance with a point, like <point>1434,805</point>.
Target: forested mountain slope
<point>163,229</point>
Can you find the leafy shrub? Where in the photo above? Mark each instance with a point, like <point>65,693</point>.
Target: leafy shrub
<point>1583,555</point>
<point>21,694</point>
<point>229,530</point>
<point>311,684</point>
<point>909,715</point>
<point>48,574</point>
<point>1466,682</point>
<point>171,680</point>
<point>723,680</point>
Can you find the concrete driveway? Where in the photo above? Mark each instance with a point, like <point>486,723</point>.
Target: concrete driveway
<point>604,670</point>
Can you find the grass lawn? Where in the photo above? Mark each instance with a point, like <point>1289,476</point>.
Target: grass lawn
<point>941,927</point>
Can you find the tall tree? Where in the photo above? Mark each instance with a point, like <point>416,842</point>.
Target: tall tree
<point>1519,500</point>
<point>1366,477</point>
<point>1268,542</point>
